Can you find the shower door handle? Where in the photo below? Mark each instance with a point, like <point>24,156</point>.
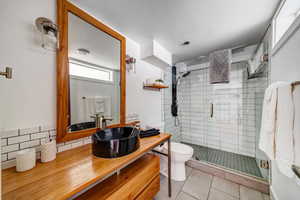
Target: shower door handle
<point>211,110</point>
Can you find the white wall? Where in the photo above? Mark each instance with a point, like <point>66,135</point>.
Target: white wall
<point>146,103</point>
<point>29,99</point>
<point>286,62</point>
<point>285,66</point>
<point>104,49</point>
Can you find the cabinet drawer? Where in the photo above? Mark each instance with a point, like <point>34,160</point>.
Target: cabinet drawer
<point>151,190</point>
<point>131,181</point>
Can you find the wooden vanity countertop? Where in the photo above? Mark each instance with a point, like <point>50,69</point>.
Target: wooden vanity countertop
<point>71,172</point>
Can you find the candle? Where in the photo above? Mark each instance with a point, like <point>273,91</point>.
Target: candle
<point>48,151</point>
<point>25,160</point>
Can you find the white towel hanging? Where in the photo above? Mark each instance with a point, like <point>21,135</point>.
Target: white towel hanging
<point>268,123</point>
<point>99,105</point>
<point>89,108</point>
<point>280,134</point>
<point>284,130</point>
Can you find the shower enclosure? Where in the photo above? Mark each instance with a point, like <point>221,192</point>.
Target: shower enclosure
<point>221,122</point>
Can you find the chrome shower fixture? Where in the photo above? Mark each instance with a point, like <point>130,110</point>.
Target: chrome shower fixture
<point>182,75</point>
<point>186,74</point>
<point>182,71</point>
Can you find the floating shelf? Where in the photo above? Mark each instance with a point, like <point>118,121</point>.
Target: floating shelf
<point>154,86</point>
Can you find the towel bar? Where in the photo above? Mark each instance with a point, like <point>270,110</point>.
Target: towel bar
<point>296,170</point>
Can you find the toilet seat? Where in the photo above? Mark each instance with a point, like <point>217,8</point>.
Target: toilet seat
<point>180,148</point>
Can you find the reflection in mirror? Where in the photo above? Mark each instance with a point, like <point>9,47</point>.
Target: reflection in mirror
<point>94,75</point>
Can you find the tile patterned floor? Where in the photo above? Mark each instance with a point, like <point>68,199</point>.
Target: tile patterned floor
<point>202,186</point>
<point>229,160</point>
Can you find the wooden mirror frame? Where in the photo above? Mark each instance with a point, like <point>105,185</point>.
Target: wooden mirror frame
<point>63,100</point>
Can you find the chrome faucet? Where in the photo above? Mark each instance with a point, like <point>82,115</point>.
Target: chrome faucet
<point>101,121</point>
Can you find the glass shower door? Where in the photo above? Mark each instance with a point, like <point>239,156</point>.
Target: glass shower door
<point>221,122</point>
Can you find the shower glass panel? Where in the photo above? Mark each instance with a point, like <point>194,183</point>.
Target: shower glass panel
<point>221,121</point>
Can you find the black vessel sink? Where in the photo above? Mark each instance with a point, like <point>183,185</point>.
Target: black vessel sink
<point>115,142</point>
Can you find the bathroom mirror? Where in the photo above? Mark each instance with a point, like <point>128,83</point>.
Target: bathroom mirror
<point>90,74</point>
<point>94,75</point>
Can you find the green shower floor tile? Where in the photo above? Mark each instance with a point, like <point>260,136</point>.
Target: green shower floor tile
<point>229,160</point>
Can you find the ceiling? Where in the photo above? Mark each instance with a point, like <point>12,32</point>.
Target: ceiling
<point>208,24</point>
<point>104,49</point>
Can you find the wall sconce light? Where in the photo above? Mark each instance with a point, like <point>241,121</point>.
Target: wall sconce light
<point>49,33</point>
<point>130,61</point>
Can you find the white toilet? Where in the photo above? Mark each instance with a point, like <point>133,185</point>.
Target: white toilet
<point>180,153</point>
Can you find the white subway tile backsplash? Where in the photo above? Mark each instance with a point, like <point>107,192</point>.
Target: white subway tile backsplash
<point>73,141</point>
<point>29,144</point>
<point>9,133</point>
<point>39,135</point>
<point>44,140</point>
<point>4,157</point>
<point>26,131</point>
<point>52,133</point>
<point>87,141</point>
<point>37,148</point>
<point>77,144</point>
<point>8,164</point>
<point>3,142</point>
<point>11,155</point>
<point>64,148</point>
<point>60,144</point>
<point>47,128</point>
<point>10,148</point>
<point>15,140</point>
<point>18,139</point>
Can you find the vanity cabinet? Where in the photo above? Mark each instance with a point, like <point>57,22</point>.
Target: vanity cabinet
<point>140,180</point>
<point>77,172</point>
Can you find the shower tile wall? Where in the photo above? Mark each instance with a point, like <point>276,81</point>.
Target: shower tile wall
<point>236,111</point>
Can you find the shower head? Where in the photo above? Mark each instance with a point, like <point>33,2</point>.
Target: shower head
<point>186,74</point>
<point>182,75</point>
<point>182,71</point>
